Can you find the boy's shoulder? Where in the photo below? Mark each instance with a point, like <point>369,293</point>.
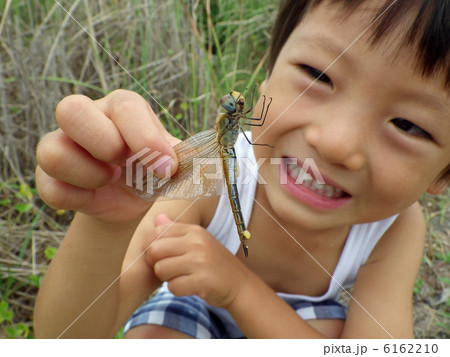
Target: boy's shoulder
<point>404,240</point>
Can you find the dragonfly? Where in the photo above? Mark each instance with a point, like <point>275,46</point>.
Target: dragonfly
<point>196,155</point>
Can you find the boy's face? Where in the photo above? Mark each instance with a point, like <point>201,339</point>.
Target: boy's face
<point>376,130</point>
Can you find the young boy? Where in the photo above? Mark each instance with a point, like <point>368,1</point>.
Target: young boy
<point>368,103</point>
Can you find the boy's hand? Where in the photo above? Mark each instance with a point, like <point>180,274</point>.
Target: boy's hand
<point>81,164</point>
<point>195,263</point>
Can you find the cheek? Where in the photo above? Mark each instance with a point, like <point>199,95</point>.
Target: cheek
<point>261,133</point>
<point>287,112</point>
<point>275,125</point>
<point>261,152</point>
<point>396,189</point>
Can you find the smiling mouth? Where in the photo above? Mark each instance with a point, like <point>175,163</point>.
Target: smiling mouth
<point>306,179</point>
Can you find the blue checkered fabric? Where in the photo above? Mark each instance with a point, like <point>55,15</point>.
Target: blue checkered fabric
<point>194,317</point>
<point>328,309</point>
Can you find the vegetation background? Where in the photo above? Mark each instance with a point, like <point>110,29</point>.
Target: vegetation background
<point>181,55</point>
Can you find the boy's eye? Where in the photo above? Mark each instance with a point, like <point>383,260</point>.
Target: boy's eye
<point>316,74</point>
<point>411,128</point>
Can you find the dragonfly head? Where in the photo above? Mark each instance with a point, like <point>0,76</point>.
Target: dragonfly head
<point>233,102</point>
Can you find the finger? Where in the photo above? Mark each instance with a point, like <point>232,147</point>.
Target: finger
<point>163,247</point>
<point>167,242</point>
<point>82,121</point>
<point>186,285</point>
<point>146,131</point>
<point>162,219</point>
<point>122,106</point>
<point>63,159</point>
<point>61,195</point>
<point>173,229</point>
<point>170,268</point>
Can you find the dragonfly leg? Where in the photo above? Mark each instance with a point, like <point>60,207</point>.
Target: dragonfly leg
<point>255,144</point>
<point>263,115</point>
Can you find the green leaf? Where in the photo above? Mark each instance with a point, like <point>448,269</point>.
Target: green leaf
<point>184,106</point>
<point>445,280</point>
<point>23,329</point>
<point>50,252</point>
<point>20,330</point>
<point>119,334</point>
<point>6,202</point>
<point>35,280</point>
<point>447,258</point>
<point>15,109</point>
<point>417,286</point>
<point>5,313</point>
<point>444,314</point>
<point>23,207</point>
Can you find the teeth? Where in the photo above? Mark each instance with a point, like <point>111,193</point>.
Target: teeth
<point>305,179</point>
<point>295,171</point>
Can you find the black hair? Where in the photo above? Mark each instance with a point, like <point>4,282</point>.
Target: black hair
<point>429,31</point>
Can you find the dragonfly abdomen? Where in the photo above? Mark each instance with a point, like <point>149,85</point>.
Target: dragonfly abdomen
<point>229,168</point>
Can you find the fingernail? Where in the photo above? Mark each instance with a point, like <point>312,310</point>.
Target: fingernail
<point>163,165</point>
<point>161,219</point>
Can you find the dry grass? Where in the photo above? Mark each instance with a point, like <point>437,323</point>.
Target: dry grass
<point>432,296</point>
<point>170,52</point>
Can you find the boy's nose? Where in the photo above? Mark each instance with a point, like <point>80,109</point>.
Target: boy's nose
<point>337,144</point>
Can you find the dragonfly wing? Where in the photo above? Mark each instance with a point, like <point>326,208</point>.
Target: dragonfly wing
<point>199,171</point>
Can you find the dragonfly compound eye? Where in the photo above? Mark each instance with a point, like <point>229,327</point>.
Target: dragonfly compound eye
<point>228,103</point>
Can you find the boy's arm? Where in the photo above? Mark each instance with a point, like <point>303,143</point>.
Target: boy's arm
<point>98,278</point>
<point>79,167</point>
<point>87,263</point>
<point>382,305</point>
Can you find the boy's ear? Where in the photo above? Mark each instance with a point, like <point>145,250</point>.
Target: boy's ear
<point>440,184</point>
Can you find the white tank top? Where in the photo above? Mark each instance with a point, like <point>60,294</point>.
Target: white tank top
<point>361,239</point>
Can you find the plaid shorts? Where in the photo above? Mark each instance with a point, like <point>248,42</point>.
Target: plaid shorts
<point>194,317</point>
